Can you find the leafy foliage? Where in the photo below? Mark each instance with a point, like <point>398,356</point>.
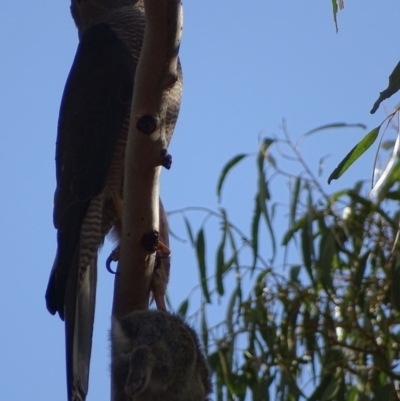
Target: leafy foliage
<point>325,327</point>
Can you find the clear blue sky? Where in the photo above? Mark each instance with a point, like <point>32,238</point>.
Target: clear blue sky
<point>246,66</point>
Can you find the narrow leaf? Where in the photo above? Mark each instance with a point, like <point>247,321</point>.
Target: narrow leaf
<point>204,329</point>
<point>201,258</point>
<point>333,126</point>
<point>298,225</point>
<point>295,200</point>
<point>231,311</point>
<point>354,154</point>
<point>263,193</point>
<point>221,262</point>
<point>294,273</point>
<point>335,10</point>
<point>264,212</point>
<point>266,143</point>
<point>225,171</point>
<point>189,230</point>
<point>255,224</point>
<point>235,251</point>
<point>182,310</point>
<point>326,254</point>
<point>307,244</point>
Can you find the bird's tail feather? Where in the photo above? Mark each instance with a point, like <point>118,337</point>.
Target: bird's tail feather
<point>79,320</point>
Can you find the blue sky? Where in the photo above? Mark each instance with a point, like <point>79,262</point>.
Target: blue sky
<point>246,66</point>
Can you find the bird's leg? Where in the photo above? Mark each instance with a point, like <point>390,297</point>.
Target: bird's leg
<point>161,275</point>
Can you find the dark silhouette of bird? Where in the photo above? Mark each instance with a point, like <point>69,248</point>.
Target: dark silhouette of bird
<point>92,132</point>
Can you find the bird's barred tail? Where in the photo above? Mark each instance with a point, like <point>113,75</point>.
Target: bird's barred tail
<point>79,320</point>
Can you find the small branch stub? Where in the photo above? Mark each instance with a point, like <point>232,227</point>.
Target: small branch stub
<point>166,161</point>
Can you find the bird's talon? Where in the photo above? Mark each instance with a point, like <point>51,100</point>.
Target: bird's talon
<point>163,250</point>
<point>114,257</point>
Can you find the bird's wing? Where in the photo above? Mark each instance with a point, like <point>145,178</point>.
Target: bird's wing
<point>95,102</point>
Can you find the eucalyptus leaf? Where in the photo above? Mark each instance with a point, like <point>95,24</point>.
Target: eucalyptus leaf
<point>201,258</point>
<point>354,154</point>
<point>228,166</point>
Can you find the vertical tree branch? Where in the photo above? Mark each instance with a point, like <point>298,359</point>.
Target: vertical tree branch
<point>155,75</point>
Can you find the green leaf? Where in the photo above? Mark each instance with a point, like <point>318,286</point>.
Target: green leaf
<point>264,212</point>
<point>334,126</point>
<point>255,224</point>
<point>353,394</point>
<point>335,11</point>
<point>294,273</point>
<point>231,311</point>
<point>354,154</point>
<point>307,245</point>
<point>295,201</point>
<point>225,366</point>
<point>201,258</point>
<point>263,193</point>
<point>266,143</point>
<point>220,263</point>
<point>219,387</point>
<point>298,225</point>
<point>235,252</point>
<point>225,171</point>
<point>204,329</point>
<point>327,252</point>
<point>393,87</point>
<point>189,230</point>
<point>182,310</point>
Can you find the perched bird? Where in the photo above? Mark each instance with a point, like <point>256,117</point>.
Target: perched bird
<point>92,132</point>
<point>156,356</point>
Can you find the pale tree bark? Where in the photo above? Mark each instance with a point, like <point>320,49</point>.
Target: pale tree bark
<point>156,73</point>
